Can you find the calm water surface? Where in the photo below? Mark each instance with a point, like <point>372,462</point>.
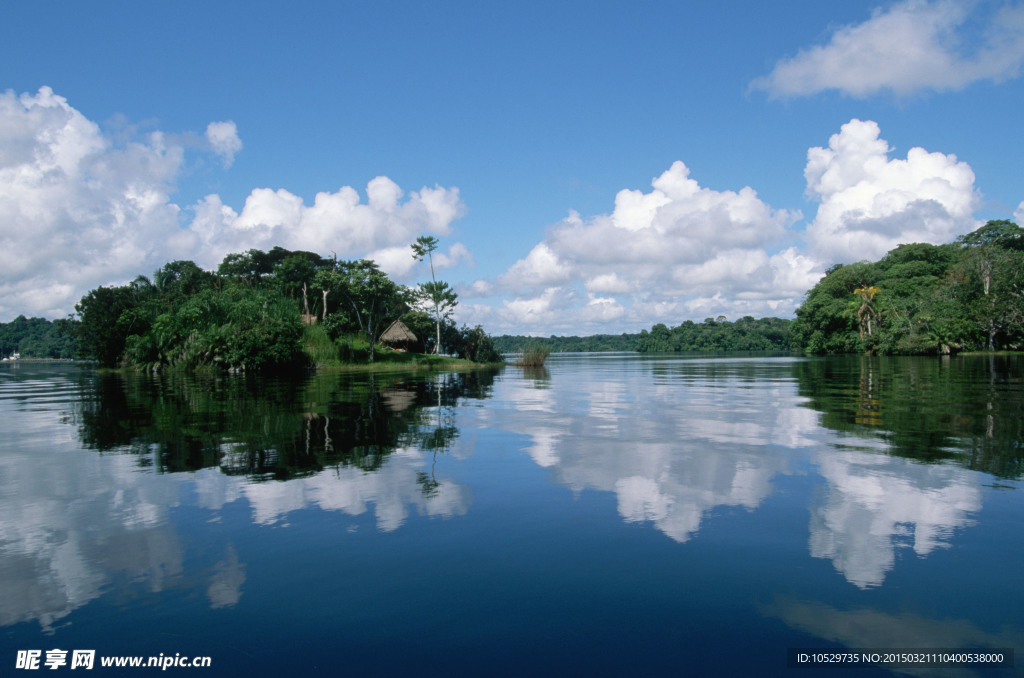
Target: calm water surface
<point>610,514</point>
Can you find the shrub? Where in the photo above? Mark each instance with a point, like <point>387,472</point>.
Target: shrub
<point>534,355</point>
<point>476,345</point>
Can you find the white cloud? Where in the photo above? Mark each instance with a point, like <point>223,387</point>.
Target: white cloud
<point>683,251</point>
<point>456,254</point>
<point>75,210</point>
<point>479,288</point>
<point>657,249</point>
<point>338,222</point>
<point>542,310</point>
<point>870,204</point>
<point>602,310</point>
<point>1019,213</point>
<point>223,138</point>
<point>541,266</point>
<point>911,46</point>
<point>608,283</point>
<point>78,210</point>
<point>396,261</point>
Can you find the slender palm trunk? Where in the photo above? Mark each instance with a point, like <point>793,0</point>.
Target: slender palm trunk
<point>437,311</point>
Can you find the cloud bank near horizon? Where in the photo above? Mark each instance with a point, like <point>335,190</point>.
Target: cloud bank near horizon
<point>684,251</point>
<point>679,250</point>
<point>79,210</point>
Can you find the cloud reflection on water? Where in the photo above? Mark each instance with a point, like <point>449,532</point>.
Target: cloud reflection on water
<point>672,442</point>
<point>675,440</point>
<point>74,525</point>
<point>669,454</point>
<point>873,504</point>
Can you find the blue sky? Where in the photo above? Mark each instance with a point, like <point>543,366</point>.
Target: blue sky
<point>587,166</point>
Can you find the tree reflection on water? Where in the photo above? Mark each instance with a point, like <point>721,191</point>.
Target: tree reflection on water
<point>968,409</point>
<point>273,428</point>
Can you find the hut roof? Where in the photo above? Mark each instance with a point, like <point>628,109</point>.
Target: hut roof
<point>398,332</point>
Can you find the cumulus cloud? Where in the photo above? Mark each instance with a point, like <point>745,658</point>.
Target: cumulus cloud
<point>223,138</point>
<point>1019,213</point>
<point>541,266</point>
<point>457,254</point>
<point>79,209</point>
<point>75,209</point>
<point>338,221</point>
<point>871,203</point>
<point>656,250</point>
<point>547,309</point>
<point>684,251</point>
<point>911,46</point>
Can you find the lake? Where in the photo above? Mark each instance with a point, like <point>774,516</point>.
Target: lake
<point>607,515</point>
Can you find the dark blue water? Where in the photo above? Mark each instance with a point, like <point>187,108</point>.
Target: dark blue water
<point>607,515</point>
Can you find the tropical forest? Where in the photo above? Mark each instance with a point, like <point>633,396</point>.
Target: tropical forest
<point>272,310</point>
<point>922,299</point>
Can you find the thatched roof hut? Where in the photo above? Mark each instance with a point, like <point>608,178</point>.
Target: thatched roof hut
<point>398,335</point>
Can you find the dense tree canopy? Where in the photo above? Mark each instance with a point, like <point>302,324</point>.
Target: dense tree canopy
<point>921,298</point>
<point>250,314</point>
<point>364,295</point>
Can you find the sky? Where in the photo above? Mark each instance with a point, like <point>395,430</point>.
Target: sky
<point>588,167</point>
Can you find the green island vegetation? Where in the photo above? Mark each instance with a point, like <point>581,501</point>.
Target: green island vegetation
<point>922,299</point>
<point>276,310</point>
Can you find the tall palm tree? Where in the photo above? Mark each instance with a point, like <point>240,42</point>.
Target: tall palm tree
<point>866,313</point>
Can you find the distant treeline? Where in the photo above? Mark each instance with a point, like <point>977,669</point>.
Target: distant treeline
<point>718,334</point>
<point>714,334</point>
<point>508,343</point>
<point>37,338</point>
